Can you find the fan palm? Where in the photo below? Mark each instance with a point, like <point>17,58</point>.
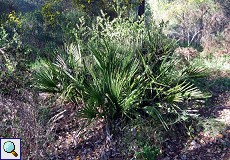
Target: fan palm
<point>114,82</point>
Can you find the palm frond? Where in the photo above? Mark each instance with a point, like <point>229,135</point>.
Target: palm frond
<point>89,112</point>
<point>46,79</point>
<point>153,112</point>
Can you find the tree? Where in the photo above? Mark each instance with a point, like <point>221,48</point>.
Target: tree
<point>187,19</point>
<point>141,8</point>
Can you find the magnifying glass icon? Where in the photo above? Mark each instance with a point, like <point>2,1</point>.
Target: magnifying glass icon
<point>9,147</point>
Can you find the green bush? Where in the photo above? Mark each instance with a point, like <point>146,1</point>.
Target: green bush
<point>122,70</point>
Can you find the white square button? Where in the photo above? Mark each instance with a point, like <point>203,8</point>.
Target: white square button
<point>10,148</point>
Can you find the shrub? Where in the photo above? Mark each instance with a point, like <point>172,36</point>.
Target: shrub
<point>122,71</point>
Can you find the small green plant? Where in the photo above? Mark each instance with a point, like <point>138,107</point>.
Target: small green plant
<point>212,126</point>
<point>43,115</point>
<point>212,63</point>
<point>147,153</point>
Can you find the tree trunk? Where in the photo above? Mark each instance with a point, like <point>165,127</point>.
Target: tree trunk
<point>141,8</point>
